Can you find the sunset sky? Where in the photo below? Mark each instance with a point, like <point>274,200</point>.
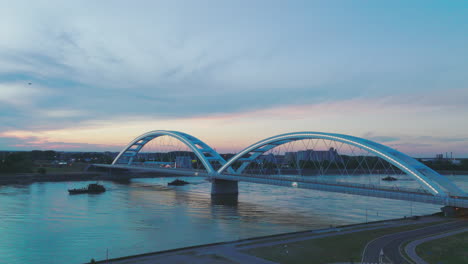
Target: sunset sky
<point>93,75</point>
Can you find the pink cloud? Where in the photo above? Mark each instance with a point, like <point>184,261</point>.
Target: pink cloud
<point>32,143</point>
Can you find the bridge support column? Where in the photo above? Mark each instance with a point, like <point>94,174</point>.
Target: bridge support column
<point>454,211</point>
<point>224,187</point>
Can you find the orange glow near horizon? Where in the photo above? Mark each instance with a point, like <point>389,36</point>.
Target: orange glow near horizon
<point>233,132</point>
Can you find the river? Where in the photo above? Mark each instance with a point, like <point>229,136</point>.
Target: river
<point>41,223</point>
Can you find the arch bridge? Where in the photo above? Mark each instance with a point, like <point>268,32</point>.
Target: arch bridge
<point>252,164</point>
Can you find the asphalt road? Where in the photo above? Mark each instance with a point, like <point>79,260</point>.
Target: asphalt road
<point>410,249</point>
<point>390,244</point>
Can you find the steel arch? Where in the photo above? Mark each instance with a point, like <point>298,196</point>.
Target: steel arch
<point>431,180</point>
<point>204,152</point>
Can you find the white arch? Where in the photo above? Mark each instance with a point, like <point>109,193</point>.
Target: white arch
<point>204,152</point>
<point>431,180</point>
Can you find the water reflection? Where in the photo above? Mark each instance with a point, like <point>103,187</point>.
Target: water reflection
<point>126,181</point>
<point>227,200</point>
<point>42,223</point>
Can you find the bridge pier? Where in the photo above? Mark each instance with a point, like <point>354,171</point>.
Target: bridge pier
<point>451,211</point>
<point>224,187</point>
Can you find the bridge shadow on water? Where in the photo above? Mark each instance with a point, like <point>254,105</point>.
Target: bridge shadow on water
<point>231,200</point>
<point>198,200</point>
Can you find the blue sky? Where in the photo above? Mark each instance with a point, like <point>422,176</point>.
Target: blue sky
<point>233,72</point>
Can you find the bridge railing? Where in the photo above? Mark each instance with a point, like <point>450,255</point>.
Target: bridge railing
<point>308,179</point>
<point>150,165</point>
<point>307,182</point>
<point>328,187</point>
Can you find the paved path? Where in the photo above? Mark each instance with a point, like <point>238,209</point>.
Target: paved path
<point>410,249</point>
<point>332,232</point>
<point>390,244</point>
<point>232,252</point>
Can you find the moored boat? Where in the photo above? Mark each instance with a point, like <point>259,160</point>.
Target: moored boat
<point>389,178</point>
<point>178,182</point>
<point>92,188</point>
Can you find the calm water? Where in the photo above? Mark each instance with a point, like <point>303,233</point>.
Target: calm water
<point>41,223</point>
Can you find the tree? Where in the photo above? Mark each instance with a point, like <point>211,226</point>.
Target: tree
<point>17,162</point>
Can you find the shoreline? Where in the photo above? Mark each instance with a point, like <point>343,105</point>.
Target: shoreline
<point>25,178</point>
<point>333,230</point>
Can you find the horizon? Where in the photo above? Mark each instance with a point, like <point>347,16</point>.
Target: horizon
<point>446,155</point>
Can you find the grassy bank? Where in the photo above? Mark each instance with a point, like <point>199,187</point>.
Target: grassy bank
<point>447,250</point>
<point>339,248</point>
<point>75,167</point>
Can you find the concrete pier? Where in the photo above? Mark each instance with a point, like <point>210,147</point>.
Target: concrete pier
<point>224,187</point>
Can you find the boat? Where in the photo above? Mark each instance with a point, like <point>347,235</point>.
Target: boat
<point>92,188</point>
<point>178,182</point>
<point>389,178</point>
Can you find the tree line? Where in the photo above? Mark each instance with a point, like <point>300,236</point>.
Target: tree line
<point>26,161</point>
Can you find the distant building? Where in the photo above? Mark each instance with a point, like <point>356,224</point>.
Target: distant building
<point>290,157</point>
<point>59,163</point>
<point>314,155</point>
<point>184,162</point>
<point>161,164</point>
<point>441,158</point>
<point>271,158</point>
<point>304,155</point>
<point>268,158</point>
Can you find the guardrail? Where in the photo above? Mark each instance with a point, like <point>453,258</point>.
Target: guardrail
<point>305,182</point>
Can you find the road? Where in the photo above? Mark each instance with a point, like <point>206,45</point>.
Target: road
<point>234,252</point>
<point>390,244</point>
<point>410,249</point>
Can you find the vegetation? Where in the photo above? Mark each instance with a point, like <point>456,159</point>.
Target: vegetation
<point>74,167</point>
<point>92,157</point>
<point>444,164</point>
<point>447,250</point>
<point>48,155</point>
<point>22,162</point>
<point>17,162</point>
<point>48,161</point>
<point>339,248</point>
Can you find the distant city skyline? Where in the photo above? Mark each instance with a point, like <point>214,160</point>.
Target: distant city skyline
<point>92,76</point>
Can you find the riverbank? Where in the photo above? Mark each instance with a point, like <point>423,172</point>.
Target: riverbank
<point>453,172</point>
<point>323,245</point>
<point>26,178</point>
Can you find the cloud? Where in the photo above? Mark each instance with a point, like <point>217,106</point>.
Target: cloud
<point>441,139</point>
<point>20,94</point>
<point>297,66</point>
<point>62,113</point>
<point>383,139</point>
<point>39,143</point>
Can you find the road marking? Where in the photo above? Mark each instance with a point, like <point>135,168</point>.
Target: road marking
<point>381,256</point>
<point>410,248</point>
<point>365,248</point>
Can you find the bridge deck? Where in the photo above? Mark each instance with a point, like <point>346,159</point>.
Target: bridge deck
<point>314,184</point>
